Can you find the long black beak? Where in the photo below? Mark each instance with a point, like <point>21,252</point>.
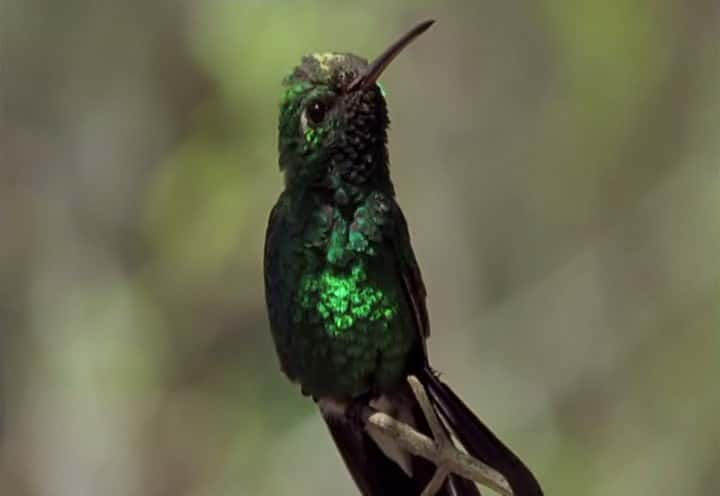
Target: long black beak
<point>377,66</point>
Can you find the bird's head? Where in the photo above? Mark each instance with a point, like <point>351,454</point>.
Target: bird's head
<point>333,119</point>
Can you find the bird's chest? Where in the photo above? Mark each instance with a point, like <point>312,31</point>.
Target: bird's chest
<point>343,284</point>
<point>348,331</point>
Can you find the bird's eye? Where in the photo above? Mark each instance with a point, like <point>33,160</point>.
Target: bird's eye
<point>316,112</point>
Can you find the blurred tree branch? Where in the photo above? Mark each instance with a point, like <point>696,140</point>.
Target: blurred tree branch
<point>441,451</point>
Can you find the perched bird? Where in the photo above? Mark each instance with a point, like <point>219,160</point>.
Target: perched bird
<point>345,298</point>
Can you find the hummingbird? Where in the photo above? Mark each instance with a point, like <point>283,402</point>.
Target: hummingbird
<point>345,298</point>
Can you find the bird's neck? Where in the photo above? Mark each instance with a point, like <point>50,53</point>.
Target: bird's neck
<point>344,188</point>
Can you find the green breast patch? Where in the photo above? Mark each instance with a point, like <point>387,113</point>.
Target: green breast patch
<point>347,301</point>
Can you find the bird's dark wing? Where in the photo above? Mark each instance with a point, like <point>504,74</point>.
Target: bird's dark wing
<point>279,264</point>
<point>409,271</point>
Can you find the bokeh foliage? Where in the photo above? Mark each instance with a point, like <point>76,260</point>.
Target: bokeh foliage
<point>557,162</point>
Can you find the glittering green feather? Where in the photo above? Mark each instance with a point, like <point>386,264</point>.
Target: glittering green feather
<point>347,302</point>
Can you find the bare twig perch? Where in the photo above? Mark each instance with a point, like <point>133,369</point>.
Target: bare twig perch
<point>441,451</point>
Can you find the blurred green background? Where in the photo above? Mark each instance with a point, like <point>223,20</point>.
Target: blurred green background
<point>557,162</point>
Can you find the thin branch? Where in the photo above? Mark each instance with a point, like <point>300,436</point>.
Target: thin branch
<point>442,440</point>
<point>442,452</point>
<point>436,428</point>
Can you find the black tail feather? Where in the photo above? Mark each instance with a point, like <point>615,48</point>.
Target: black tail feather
<point>477,439</point>
<point>372,471</point>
